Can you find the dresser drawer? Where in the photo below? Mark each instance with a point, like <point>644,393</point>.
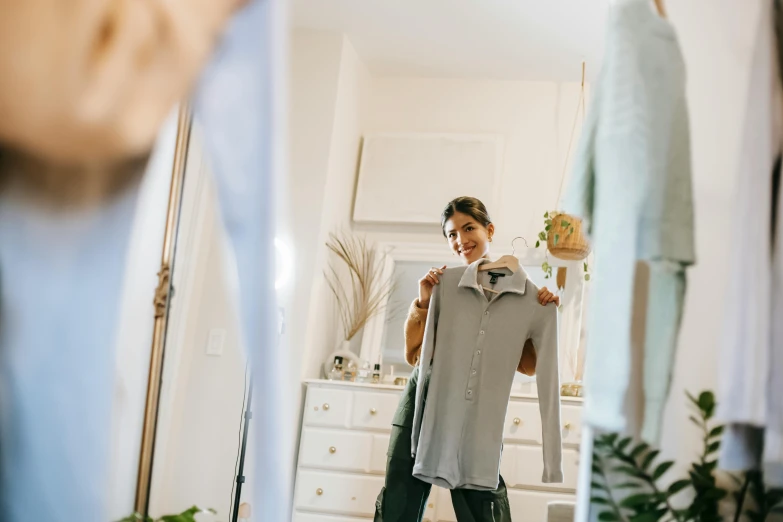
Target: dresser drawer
<point>374,410</point>
<point>380,448</point>
<point>571,420</point>
<point>508,464</point>
<point>531,506</point>
<point>530,468</point>
<point>327,407</point>
<point>523,422</point>
<point>526,506</point>
<point>312,517</point>
<point>337,493</point>
<point>331,449</point>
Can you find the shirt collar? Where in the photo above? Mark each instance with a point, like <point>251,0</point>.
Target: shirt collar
<point>516,283</point>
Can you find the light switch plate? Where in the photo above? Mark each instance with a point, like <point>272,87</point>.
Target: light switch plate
<point>217,337</point>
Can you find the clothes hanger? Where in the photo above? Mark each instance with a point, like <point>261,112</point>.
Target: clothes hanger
<point>510,262</point>
<point>660,8</point>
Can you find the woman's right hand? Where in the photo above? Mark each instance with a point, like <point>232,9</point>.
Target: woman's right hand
<point>427,283</point>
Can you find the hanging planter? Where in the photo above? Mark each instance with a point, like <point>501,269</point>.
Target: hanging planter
<point>565,239</point>
<point>562,234</point>
<point>562,237</point>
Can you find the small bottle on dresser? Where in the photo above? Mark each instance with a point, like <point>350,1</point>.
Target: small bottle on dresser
<point>350,372</point>
<point>336,373</point>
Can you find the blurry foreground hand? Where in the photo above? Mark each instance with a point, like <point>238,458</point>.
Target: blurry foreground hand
<point>91,81</point>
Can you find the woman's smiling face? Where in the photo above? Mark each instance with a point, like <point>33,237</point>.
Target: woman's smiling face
<point>468,238</point>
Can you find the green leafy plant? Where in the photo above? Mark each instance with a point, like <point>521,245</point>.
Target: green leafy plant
<point>627,479</point>
<point>543,239</point>
<point>186,516</point>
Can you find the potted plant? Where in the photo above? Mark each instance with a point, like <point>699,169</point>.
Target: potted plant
<point>186,516</point>
<point>627,485</point>
<point>563,238</point>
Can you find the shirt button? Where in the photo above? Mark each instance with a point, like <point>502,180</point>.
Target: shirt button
<point>486,313</point>
<point>478,352</point>
<point>482,332</point>
<point>470,392</point>
<point>473,372</point>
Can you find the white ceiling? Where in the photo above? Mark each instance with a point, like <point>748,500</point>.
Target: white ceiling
<point>500,39</point>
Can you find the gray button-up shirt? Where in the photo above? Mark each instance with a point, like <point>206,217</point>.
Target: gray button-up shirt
<point>458,428</point>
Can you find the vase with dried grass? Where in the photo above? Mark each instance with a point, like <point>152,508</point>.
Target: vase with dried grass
<point>360,286</point>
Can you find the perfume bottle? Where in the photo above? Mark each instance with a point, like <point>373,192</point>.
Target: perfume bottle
<point>336,373</point>
<point>350,372</point>
<point>365,374</point>
<point>376,374</point>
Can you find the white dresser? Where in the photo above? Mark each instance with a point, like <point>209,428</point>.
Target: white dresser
<point>345,436</point>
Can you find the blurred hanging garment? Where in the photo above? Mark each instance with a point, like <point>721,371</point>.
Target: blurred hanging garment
<point>62,273</point>
<point>750,397</point>
<point>240,106</point>
<point>96,83</point>
<point>631,184</point>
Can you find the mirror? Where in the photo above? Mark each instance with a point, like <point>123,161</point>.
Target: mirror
<point>387,126</point>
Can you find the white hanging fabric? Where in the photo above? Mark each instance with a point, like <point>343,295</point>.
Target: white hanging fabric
<point>240,106</point>
<point>750,396</point>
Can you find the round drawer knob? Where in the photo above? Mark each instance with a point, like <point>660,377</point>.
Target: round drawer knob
<point>373,411</point>
<point>319,492</point>
<point>326,406</point>
<point>567,425</point>
<point>332,450</point>
<point>517,421</point>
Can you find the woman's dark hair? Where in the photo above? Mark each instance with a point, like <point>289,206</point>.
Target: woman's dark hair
<point>465,205</point>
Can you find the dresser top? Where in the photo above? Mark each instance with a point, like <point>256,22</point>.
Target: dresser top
<point>394,387</point>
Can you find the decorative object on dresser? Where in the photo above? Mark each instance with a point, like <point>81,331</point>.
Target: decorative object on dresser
<point>367,289</point>
<point>345,435</point>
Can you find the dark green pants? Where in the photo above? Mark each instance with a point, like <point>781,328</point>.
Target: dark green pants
<point>404,497</point>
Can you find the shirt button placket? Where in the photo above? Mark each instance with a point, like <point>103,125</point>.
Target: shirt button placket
<point>473,377</point>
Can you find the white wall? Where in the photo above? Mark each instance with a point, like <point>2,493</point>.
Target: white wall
<point>197,464</point>
<point>337,196</point>
<point>534,118</point>
<point>314,72</point>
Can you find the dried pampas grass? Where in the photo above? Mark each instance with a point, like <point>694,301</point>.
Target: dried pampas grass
<point>367,291</point>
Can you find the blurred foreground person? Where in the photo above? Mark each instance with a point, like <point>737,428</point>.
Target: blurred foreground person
<point>84,88</point>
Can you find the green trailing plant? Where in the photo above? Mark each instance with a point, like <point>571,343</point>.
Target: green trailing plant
<point>543,238</point>
<point>186,516</point>
<point>627,481</point>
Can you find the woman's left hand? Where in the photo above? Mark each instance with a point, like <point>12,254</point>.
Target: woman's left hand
<point>545,297</point>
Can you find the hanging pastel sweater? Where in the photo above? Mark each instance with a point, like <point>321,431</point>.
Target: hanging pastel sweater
<point>631,184</point>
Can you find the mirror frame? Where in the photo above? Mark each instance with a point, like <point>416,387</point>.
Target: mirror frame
<point>161,303</point>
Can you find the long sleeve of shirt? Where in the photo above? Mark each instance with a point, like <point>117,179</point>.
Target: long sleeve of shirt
<point>544,335</point>
<point>414,336</point>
